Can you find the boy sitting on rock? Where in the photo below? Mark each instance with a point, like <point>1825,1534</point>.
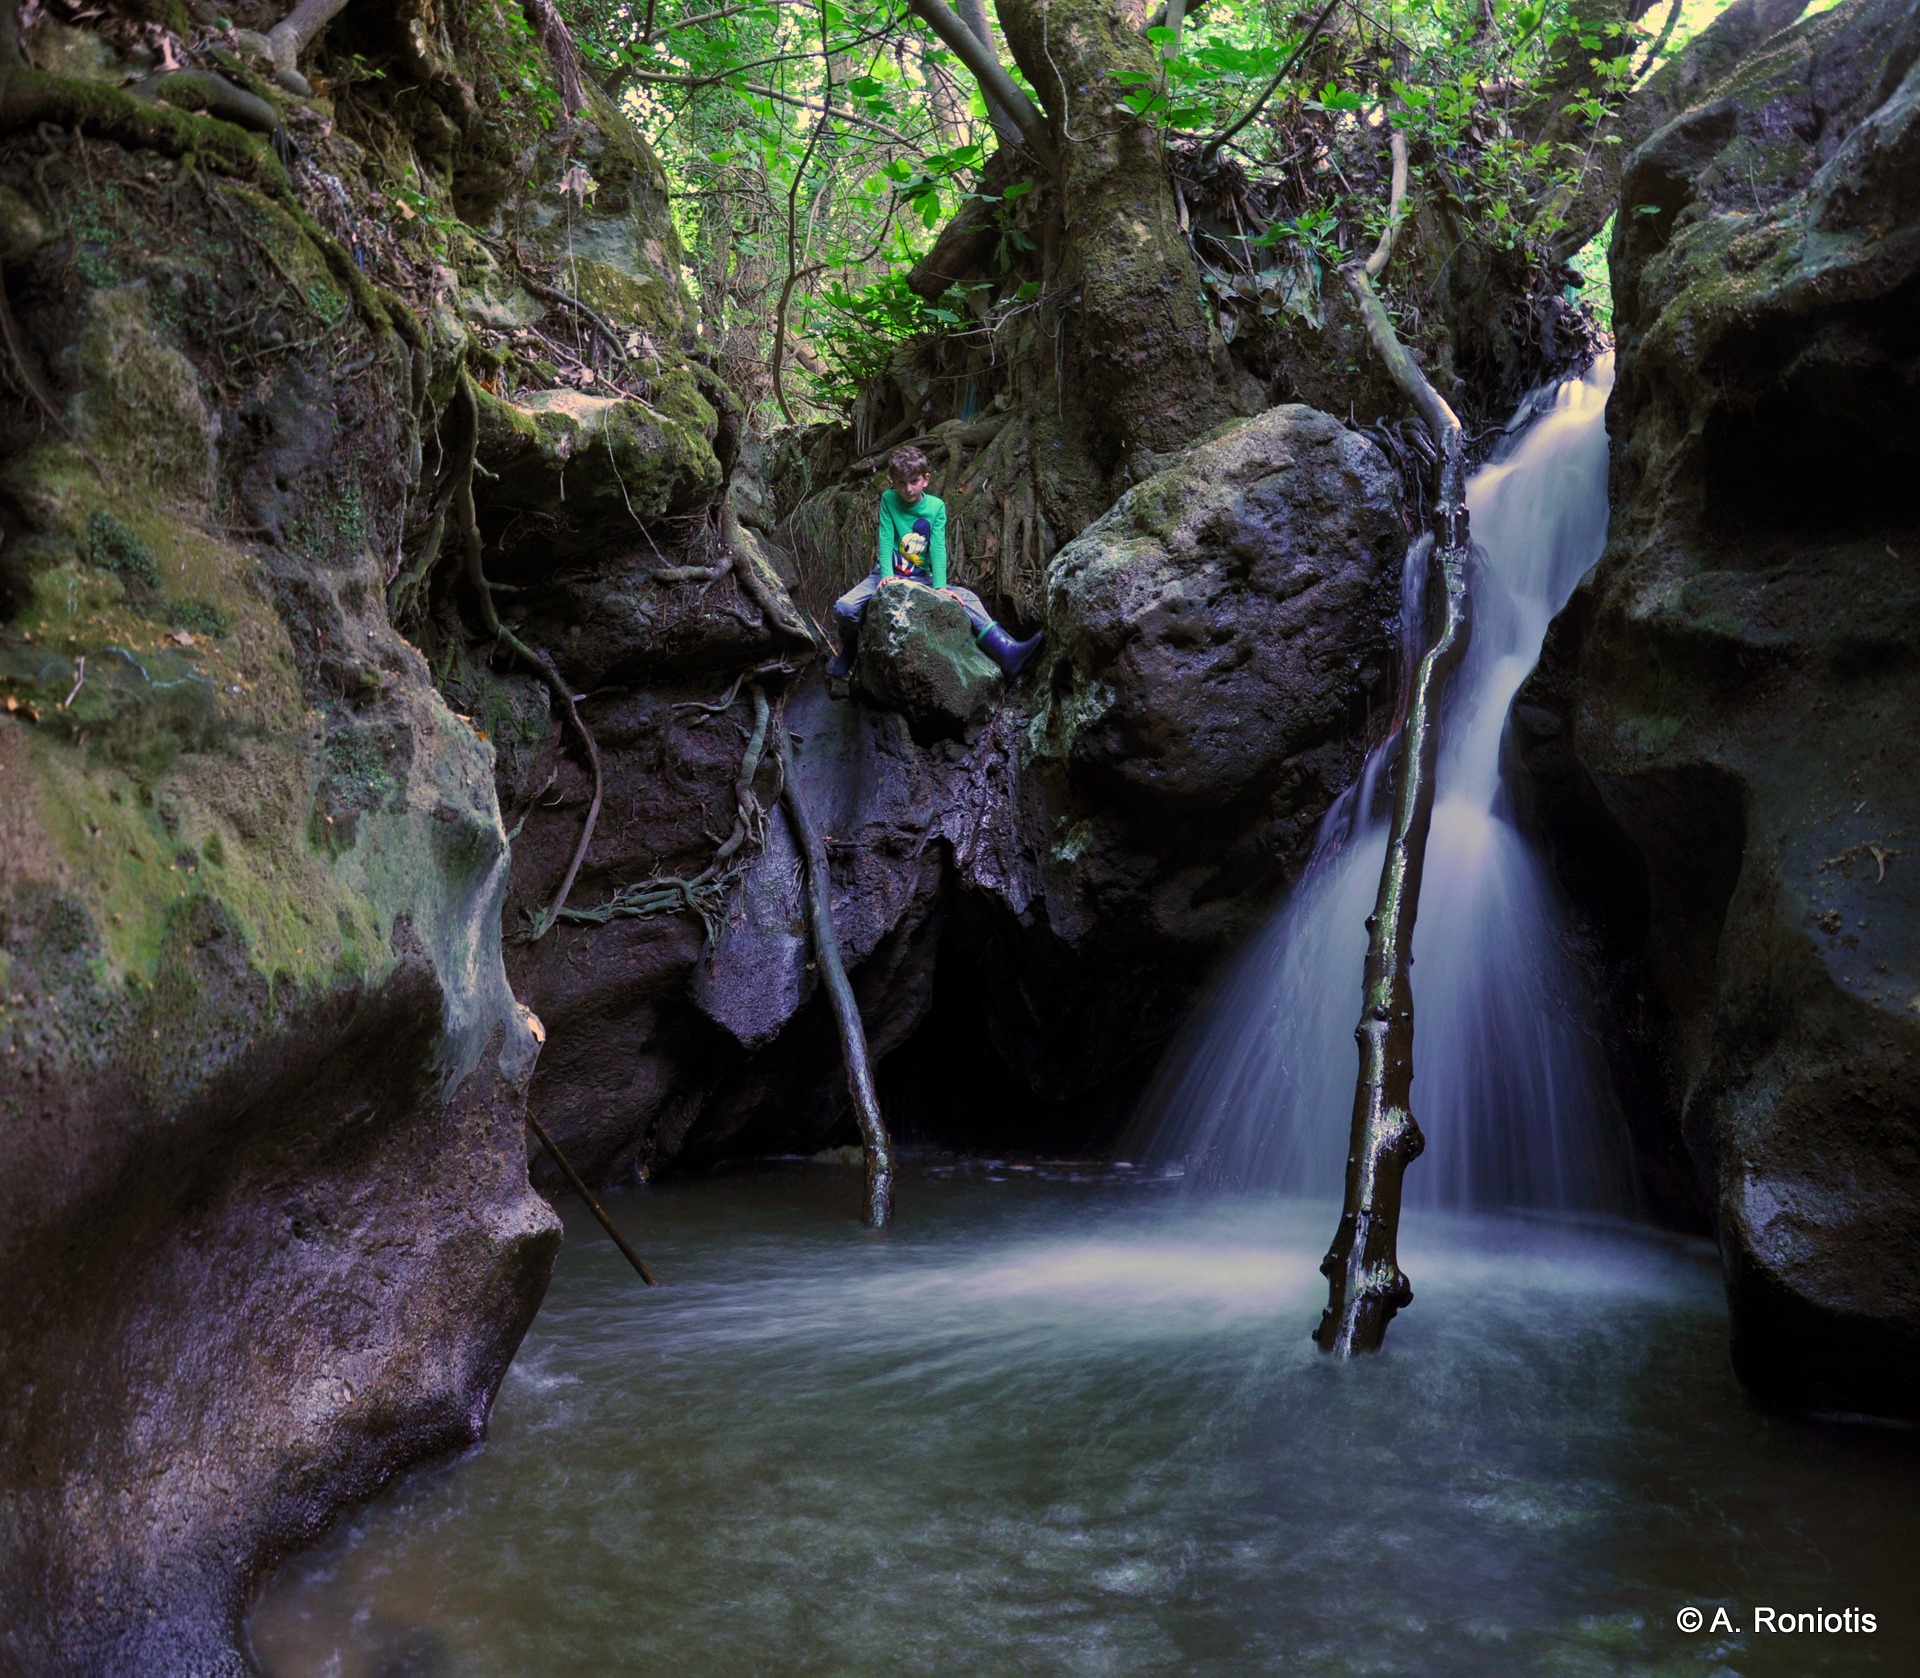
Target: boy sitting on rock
<point>913,548</point>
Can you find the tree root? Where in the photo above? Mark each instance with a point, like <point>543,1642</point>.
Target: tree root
<point>877,1206</point>
<point>547,23</point>
<point>953,436</point>
<point>297,31</point>
<point>706,893</point>
<point>30,97</point>
<point>586,311</point>
<point>203,90</point>
<point>541,663</point>
<point>23,368</point>
<point>693,573</point>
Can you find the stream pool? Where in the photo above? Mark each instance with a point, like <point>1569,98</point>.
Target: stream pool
<point>1070,1421</point>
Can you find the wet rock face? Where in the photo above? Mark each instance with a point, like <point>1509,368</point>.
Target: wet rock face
<point>918,657</point>
<point>1722,725</point>
<point>1228,620</point>
<point>264,1212</point>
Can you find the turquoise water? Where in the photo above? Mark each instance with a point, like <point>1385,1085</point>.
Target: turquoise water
<point>1071,1422</point>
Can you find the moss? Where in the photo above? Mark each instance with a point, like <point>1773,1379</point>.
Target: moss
<point>31,97</point>
<point>199,618</point>
<point>111,546</point>
<point>646,300</point>
<point>143,404</point>
<point>336,527</point>
<point>356,770</point>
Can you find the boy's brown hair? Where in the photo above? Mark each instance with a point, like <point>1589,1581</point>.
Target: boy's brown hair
<point>907,462</point>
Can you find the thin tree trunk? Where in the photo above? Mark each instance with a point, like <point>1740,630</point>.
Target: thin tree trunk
<point>999,87</point>
<point>1366,1286</point>
<point>1365,1283</point>
<point>974,12</point>
<point>877,1207</point>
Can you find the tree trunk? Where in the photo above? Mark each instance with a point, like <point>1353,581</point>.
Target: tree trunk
<point>1362,1267</point>
<point>1156,372</point>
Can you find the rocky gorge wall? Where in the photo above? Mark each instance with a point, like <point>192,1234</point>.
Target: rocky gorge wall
<point>266,1217</point>
<point>285,815</point>
<point>1721,729</point>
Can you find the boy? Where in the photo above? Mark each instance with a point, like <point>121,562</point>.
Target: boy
<point>913,547</point>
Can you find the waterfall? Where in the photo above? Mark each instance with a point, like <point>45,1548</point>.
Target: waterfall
<point>1508,1086</point>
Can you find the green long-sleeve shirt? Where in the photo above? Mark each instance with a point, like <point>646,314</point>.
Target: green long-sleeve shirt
<point>913,540</point>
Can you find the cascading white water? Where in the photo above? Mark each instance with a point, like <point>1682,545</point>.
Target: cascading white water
<point>1259,1091</point>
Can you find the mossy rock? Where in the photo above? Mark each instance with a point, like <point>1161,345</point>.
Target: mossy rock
<point>572,472</point>
<point>918,656</point>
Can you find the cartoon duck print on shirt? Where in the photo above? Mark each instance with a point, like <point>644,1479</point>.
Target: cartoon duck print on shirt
<point>910,553</point>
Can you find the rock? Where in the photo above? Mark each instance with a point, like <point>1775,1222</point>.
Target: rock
<point>1219,629</point>
<point>918,656</point>
<point>594,469</point>
<point>264,1211</point>
<point>1731,793</point>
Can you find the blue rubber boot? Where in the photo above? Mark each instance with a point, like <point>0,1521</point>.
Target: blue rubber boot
<point>1006,652</point>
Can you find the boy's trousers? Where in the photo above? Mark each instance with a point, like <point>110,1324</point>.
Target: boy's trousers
<point>851,604</point>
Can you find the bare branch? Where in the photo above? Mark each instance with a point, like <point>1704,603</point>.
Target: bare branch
<point>992,75</point>
<point>1396,207</point>
<point>1313,31</point>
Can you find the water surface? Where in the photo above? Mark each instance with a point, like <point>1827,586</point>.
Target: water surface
<point>1071,1422</point>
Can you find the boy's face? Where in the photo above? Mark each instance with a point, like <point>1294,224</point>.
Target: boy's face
<point>911,489</point>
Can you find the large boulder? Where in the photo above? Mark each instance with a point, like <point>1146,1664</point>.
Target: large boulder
<point>1212,638</point>
<point>264,1210</point>
<point>1720,726</point>
<point>918,656</point>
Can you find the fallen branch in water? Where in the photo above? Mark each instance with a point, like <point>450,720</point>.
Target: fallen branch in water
<point>1365,1283</point>
<point>593,1204</point>
<point>877,1209</point>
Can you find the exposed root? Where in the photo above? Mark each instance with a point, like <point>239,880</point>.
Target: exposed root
<point>877,1208</point>
<point>556,38</point>
<point>30,97</point>
<point>693,573</point>
<point>203,90</point>
<point>706,893</point>
<point>541,663</point>
<point>298,30</point>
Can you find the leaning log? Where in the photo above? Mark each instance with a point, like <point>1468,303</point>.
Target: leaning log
<point>1365,1284</point>
<point>877,1207</point>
